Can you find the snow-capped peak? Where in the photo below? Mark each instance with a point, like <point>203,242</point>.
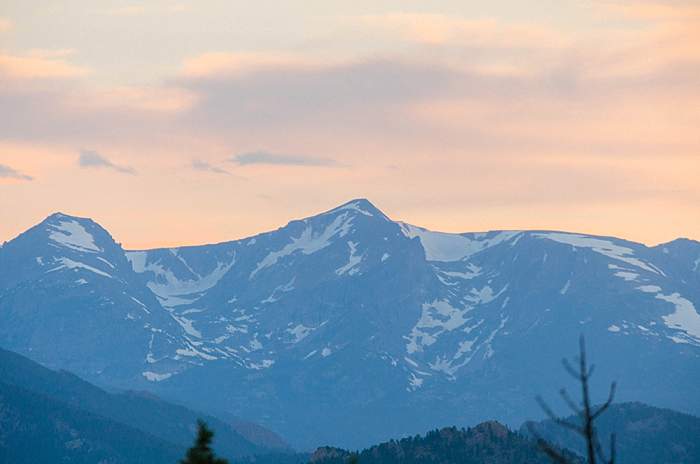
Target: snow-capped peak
<point>359,206</point>
<point>70,232</point>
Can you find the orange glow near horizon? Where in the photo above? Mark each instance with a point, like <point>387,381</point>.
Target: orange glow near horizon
<point>468,117</point>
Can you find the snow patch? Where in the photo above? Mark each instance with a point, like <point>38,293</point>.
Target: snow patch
<point>187,326</point>
<point>353,260</point>
<point>471,272</point>
<point>685,317</point>
<point>603,247</point>
<point>155,377</point>
<point>565,288</point>
<point>440,315</point>
<point>70,264</point>
<point>143,306</point>
<point>167,287</point>
<point>71,234</point>
<point>415,382</point>
<point>106,262</point>
<point>354,206</point>
<point>442,246</point>
<point>193,352</point>
<point>308,242</point>
<point>649,288</point>
<point>627,276</point>
<point>279,290</point>
<point>264,364</point>
<point>299,332</point>
<point>483,295</point>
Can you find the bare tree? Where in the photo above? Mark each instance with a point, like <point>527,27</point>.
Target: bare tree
<point>585,412</point>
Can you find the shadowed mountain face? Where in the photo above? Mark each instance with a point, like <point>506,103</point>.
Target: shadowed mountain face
<point>348,328</point>
<point>57,408</point>
<point>644,434</point>
<point>36,428</point>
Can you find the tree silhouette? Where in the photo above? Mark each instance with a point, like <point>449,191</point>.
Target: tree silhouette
<point>201,452</point>
<point>585,411</point>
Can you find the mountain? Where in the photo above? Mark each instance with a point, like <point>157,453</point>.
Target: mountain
<point>644,434</point>
<point>487,443</point>
<point>62,397</point>
<point>349,328</point>
<point>36,428</point>
<point>66,281</point>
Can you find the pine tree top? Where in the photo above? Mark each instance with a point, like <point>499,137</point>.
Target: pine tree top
<point>201,452</point>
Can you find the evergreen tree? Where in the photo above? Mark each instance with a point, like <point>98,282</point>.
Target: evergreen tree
<point>201,452</point>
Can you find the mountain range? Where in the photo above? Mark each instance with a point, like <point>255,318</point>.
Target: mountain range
<point>348,328</point>
<point>54,416</point>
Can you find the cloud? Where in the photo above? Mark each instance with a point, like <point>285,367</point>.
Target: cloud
<point>199,165</point>
<point>440,29</point>
<point>6,172</point>
<point>213,64</point>
<point>39,64</point>
<point>128,10</point>
<point>264,157</point>
<point>652,10</point>
<point>92,159</point>
<point>5,25</point>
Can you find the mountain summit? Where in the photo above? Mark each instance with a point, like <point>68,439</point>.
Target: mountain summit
<point>348,328</point>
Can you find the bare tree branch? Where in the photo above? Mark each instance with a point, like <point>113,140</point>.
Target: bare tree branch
<point>568,368</point>
<point>589,374</point>
<point>612,448</point>
<point>563,422</point>
<point>546,448</point>
<point>606,405</point>
<point>567,399</point>
<point>587,429</point>
<point>552,453</point>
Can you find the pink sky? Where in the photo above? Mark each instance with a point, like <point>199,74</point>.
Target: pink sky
<point>176,123</point>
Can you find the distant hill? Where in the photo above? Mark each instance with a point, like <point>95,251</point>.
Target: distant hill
<point>85,421</point>
<point>644,434</point>
<point>487,443</point>
<point>38,429</point>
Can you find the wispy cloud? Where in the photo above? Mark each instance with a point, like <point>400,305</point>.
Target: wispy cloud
<point>199,165</point>
<point>40,64</point>
<point>264,157</point>
<point>5,24</point>
<point>92,159</point>
<point>128,10</point>
<point>7,172</point>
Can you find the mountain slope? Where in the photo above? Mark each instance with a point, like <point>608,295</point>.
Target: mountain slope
<point>487,443</point>
<point>66,280</point>
<point>35,428</point>
<point>350,328</point>
<point>140,412</point>
<point>644,434</point>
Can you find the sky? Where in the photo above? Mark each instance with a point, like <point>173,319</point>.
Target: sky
<point>187,122</point>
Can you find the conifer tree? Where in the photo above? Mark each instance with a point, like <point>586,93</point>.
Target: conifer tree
<point>201,452</point>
